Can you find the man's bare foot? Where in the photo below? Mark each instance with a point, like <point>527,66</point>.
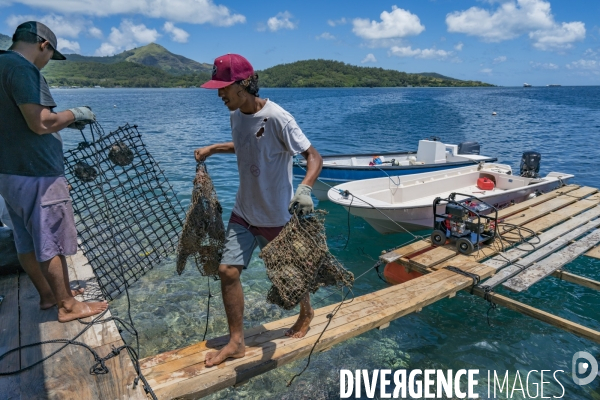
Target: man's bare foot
<point>80,310</point>
<point>49,302</point>
<point>299,329</point>
<point>232,350</point>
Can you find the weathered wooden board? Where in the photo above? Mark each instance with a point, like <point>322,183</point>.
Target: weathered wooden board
<point>550,264</point>
<point>432,257</point>
<point>65,375</point>
<point>594,253</point>
<point>517,208</point>
<point>544,251</point>
<point>579,280</point>
<point>405,251</point>
<point>543,316</point>
<point>9,335</point>
<point>172,361</point>
<point>515,253</point>
<point>195,380</point>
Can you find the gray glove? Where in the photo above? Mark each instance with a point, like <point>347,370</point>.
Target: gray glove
<point>83,116</point>
<point>302,203</point>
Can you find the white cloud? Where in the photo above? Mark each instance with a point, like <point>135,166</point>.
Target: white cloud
<point>177,34</point>
<point>341,21</point>
<point>126,37</point>
<point>281,21</point>
<point>458,46</point>
<point>514,18</point>
<point>70,27</point>
<point>589,65</point>
<point>538,65</point>
<point>499,60</point>
<point>369,58</point>
<point>509,21</point>
<point>486,71</point>
<point>408,51</point>
<point>326,36</point>
<point>396,24</point>
<point>59,25</point>
<point>559,37</point>
<point>106,49</point>
<point>64,44</point>
<point>192,11</point>
<point>590,53</point>
<point>95,32</point>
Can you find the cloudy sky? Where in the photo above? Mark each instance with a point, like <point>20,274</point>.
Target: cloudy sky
<point>505,42</point>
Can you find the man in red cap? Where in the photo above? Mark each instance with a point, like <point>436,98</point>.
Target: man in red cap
<point>265,139</point>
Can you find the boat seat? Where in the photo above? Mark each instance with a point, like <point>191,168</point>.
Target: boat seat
<point>353,161</point>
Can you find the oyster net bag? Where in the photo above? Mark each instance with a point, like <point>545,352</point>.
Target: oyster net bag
<point>203,234</point>
<point>298,261</point>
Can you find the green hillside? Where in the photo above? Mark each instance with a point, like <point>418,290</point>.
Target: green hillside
<point>327,73</point>
<point>154,66</point>
<point>5,42</point>
<point>119,74</point>
<point>436,75</point>
<point>152,55</point>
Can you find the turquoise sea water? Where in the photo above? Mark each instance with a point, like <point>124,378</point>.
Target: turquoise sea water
<point>170,310</point>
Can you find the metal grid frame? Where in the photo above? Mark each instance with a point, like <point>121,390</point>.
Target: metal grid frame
<point>125,214</point>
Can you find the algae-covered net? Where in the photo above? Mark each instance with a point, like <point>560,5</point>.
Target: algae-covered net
<point>298,261</point>
<point>203,233</point>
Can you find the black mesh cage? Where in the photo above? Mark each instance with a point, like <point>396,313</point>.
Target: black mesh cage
<point>126,212</point>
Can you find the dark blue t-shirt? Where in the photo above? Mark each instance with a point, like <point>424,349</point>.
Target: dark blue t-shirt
<point>22,151</point>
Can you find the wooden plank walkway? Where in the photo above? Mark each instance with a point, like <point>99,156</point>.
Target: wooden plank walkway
<point>562,222</point>
<point>182,373</point>
<point>66,375</point>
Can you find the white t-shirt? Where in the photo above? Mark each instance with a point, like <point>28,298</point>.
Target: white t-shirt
<point>265,144</point>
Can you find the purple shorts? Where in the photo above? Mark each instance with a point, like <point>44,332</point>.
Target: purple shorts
<point>42,214</point>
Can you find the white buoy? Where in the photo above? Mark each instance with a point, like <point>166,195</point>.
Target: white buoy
<point>115,106</point>
<point>493,112</point>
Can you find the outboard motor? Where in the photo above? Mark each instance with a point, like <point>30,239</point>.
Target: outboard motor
<point>468,148</point>
<point>530,164</point>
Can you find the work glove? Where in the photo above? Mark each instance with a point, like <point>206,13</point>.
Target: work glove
<point>302,203</point>
<point>83,116</point>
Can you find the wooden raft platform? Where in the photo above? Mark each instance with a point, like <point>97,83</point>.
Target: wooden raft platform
<point>182,374</point>
<point>67,374</point>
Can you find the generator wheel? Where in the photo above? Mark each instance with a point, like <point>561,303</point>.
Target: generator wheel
<point>438,238</point>
<point>464,246</point>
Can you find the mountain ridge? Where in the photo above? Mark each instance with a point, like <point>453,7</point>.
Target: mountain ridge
<point>155,66</point>
<point>151,55</point>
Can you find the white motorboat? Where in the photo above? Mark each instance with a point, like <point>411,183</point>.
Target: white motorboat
<point>431,155</point>
<point>405,203</point>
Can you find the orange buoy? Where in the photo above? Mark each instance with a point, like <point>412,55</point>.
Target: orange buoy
<point>396,274</point>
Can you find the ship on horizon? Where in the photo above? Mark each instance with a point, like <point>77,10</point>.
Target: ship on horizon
<point>526,85</point>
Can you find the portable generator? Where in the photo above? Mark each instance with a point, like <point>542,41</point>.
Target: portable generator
<point>469,222</point>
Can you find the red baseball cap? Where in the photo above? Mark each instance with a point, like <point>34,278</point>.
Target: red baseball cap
<point>228,69</point>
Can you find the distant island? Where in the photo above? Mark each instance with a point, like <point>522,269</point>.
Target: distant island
<point>154,66</point>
